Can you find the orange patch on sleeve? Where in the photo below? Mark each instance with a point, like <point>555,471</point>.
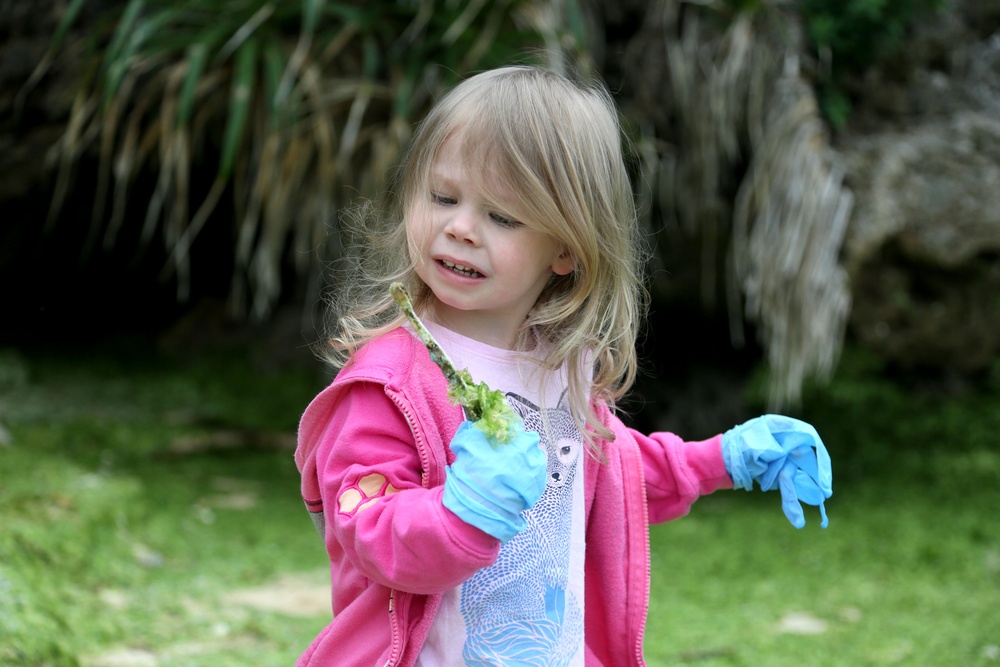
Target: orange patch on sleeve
<point>368,504</point>
<point>349,500</point>
<point>371,485</point>
<point>365,493</point>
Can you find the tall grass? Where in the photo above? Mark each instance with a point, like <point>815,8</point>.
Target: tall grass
<point>291,109</point>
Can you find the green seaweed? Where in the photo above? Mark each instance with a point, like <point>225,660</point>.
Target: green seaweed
<point>485,407</point>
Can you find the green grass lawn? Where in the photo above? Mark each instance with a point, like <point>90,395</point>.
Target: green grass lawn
<point>136,496</point>
<point>149,511</point>
<point>908,572</point>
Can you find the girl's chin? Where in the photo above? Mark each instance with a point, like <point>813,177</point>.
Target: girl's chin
<point>453,305</point>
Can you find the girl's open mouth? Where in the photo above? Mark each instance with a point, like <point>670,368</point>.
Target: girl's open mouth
<point>466,271</point>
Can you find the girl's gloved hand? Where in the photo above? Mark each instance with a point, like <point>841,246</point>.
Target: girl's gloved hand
<point>782,452</point>
<point>488,486</point>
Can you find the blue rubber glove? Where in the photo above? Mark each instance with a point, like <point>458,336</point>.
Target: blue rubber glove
<point>782,452</point>
<point>489,486</point>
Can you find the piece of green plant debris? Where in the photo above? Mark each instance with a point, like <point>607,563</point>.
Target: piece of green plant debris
<point>485,407</point>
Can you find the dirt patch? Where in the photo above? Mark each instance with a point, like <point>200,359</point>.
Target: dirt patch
<point>299,594</point>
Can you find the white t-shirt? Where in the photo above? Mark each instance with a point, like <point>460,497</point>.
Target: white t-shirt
<point>526,608</point>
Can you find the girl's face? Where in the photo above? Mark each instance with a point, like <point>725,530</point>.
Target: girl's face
<point>485,268</point>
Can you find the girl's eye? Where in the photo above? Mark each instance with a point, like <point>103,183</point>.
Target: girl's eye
<point>442,200</point>
<point>504,221</point>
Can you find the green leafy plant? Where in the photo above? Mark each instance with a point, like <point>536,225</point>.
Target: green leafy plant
<point>486,407</point>
<point>297,107</point>
<point>851,35</point>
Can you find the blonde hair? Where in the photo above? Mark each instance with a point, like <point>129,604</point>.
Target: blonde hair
<point>557,146</point>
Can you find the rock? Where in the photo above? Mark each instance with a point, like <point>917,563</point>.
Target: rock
<point>923,245</point>
<point>798,623</point>
<point>935,189</point>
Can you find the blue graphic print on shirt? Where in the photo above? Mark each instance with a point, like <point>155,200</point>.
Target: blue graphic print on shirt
<point>519,611</point>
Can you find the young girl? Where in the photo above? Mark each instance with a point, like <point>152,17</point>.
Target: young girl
<point>516,234</point>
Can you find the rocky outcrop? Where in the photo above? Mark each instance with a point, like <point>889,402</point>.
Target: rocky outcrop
<point>923,160</point>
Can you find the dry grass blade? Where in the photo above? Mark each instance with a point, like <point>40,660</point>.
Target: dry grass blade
<point>68,150</point>
<point>486,36</point>
<point>131,154</point>
<point>311,12</point>
<point>244,32</point>
<point>461,23</point>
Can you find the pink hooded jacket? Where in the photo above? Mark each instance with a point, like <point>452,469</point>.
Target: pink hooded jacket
<point>372,451</point>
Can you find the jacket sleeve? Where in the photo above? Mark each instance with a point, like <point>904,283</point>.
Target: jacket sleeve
<point>378,514</point>
<point>678,472</point>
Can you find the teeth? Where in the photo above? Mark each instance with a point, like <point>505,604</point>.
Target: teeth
<point>458,268</point>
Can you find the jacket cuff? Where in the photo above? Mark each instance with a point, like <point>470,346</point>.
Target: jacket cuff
<point>705,459</point>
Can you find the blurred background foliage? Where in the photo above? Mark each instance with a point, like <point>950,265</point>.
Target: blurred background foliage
<point>297,108</point>
<point>851,35</point>
<point>255,123</point>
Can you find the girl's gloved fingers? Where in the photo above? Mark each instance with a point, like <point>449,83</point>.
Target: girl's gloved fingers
<point>805,459</point>
<point>806,489</point>
<point>814,464</point>
<point>769,479</point>
<point>517,467</point>
<point>793,511</point>
<point>789,499</point>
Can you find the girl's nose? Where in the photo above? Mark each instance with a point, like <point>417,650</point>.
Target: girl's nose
<point>462,226</point>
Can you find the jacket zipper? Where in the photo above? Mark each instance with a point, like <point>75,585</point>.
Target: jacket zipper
<point>393,624</point>
<point>644,531</point>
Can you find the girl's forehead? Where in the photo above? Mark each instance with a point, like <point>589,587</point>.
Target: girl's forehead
<point>462,147</point>
<point>451,156</point>
<point>460,158</point>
